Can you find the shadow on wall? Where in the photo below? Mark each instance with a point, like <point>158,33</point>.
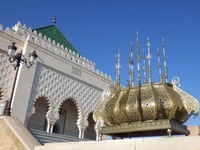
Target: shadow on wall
<point>90,130</point>
<point>38,119</point>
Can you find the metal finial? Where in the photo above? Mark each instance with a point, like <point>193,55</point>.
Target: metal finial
<point>118,66</point>
<point>159,65</point>
<point>54,20</point>
<point>138,58</point>
<point>149,60</point>
<point>144,67</point>
<point>165,61</point>
<point>137,36</point>
<point>131,63</point>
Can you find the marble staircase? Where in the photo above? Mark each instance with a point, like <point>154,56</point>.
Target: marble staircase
<point>45,137</point>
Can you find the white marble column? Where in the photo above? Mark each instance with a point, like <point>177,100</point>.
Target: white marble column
<point>81,127</point>
<point>52,116</point>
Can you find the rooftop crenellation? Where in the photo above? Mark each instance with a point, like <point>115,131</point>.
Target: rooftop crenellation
<point>21,32</point>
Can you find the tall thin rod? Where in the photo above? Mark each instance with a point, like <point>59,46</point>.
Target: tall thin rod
<point>165,62</point>
<point>149,60</point>
<point>118,66</point>
<point>138,58</point>
<point>144,67</point>
<point>159,65</point>
<point>131,63</point>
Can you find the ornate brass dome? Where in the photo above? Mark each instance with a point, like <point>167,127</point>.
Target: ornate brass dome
<point>146,103</point>
<point>161,106</point>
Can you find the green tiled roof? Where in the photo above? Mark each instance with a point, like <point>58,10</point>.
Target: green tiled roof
<point>53,33</point>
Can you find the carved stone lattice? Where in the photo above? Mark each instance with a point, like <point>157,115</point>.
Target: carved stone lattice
<point>6,77</point>
<point>58,87</point>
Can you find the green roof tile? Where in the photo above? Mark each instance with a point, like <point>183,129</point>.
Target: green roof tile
<point>53,33</point>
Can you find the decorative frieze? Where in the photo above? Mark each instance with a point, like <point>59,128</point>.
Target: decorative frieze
<point>76,71</point>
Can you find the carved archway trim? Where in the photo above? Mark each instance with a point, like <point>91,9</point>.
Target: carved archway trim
<point>1,93</point>
<point>79,111</point>
<point>38,98</point>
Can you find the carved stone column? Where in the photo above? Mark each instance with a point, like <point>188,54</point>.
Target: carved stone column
<point>97,129</point>
<point>81,127</point>
<point>50,124</point>
<point>52,116</point>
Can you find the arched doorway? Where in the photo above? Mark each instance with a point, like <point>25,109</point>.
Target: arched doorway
<point>56,128</point>
<point>38,119</point>
<point>68,118</point>
<point>90,131</point>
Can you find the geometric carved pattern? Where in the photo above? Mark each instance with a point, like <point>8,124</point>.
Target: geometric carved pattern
<point>58,87</point>
<point>6,76</point>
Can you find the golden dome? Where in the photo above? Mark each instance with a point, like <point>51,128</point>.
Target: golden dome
<point>160,106</point>
<point>145,103</point>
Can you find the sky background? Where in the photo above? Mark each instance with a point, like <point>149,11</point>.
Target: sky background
<point>98,28</point>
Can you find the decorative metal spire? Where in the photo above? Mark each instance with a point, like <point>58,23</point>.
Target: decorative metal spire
<point>131,63</point>
<point>138,58</point>
<point>149,60</point>
<point>165,61</point>
<point>144,67</point>
<point>118,66</point>
<point>159,65</point>
<point>54,20</point>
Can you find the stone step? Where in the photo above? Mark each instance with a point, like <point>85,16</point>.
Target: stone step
<point>45,137</point>
<point>39,132</point>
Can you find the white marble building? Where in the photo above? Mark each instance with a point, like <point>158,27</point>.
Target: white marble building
<point>58,93</point>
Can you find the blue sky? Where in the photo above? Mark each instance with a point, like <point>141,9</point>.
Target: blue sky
<point>97,28</point>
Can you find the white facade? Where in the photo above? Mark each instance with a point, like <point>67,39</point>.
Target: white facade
<point>57,76</point>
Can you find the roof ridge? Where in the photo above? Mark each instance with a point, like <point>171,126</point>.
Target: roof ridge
<point>55,34</point>
<point>43,27</point>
